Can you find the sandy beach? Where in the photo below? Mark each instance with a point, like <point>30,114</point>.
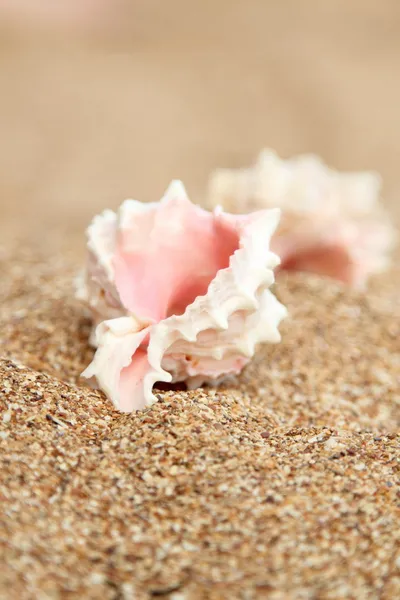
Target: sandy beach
<point>282,483</point>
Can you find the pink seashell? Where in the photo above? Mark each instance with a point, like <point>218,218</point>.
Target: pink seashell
<point>177,294</point>
<point>332,223</point>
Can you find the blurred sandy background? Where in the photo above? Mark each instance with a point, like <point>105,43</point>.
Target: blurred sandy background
<point>97,107</point>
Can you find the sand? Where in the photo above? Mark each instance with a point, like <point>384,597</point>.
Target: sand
<point>284,483</point>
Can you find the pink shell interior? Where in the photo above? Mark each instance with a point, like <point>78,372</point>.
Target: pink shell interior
<point>167,258</point>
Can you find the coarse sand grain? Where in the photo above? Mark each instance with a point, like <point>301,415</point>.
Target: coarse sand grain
<point>283,483</point>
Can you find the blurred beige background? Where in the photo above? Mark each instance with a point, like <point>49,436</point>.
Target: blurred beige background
<point>93,113</point>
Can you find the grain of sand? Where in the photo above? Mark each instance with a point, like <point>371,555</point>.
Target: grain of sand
<point>281,484</point>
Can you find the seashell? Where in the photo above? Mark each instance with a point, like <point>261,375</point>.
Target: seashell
<point>332,223</point>
<point>177,294</point>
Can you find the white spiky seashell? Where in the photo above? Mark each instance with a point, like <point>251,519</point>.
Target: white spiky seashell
<point>332,223</point>
<point>177,294</point>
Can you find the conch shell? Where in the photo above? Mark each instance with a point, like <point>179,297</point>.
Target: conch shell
<point>177,294</point>
<point>332,223</point>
